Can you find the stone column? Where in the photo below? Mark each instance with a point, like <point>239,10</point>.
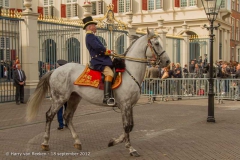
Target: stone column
<point>131,30</point>
<point>30,49</point>
<point>185,51</point>
<point>27,4</point>
<point>162,33</point>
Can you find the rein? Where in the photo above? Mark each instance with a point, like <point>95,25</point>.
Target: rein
<point>141,60</point>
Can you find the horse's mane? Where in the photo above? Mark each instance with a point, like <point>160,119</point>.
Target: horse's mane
<point>133,38</point>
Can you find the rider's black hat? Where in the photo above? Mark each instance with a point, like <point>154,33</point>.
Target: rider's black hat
<point>87,21</point>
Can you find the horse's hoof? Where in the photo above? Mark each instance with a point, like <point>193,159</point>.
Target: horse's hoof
<point>78,146</point>
<point>135,154</point>
<point>45,147</point>
<point>110,144</point>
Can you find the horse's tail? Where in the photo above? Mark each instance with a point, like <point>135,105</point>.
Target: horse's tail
<point>36,98</point>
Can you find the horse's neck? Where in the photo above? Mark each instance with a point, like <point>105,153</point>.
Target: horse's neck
<point>137,69</point>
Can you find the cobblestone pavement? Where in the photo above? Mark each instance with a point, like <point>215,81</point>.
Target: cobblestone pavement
<point>175,130</point>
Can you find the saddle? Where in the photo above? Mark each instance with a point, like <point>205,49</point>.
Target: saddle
<point>94,78</point>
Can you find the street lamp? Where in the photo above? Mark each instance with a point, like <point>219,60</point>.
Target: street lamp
<point>211,8</point>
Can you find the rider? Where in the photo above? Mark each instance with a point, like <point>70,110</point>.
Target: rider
<point>100,59</point>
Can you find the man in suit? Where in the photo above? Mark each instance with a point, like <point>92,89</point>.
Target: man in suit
<point>19,82</point>
<point>100,58</point>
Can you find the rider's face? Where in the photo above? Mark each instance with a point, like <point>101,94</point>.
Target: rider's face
<point>93,28</point>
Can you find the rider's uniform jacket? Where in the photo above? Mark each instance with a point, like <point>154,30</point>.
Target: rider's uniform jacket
<point>99,54</point>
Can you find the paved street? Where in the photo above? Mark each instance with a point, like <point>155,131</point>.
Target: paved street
<point>163,130</point>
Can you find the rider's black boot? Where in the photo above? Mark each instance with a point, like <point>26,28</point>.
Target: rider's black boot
<point>107,91</point>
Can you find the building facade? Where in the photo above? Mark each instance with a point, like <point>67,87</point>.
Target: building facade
<point>235,30</point>
<point>177,17</point>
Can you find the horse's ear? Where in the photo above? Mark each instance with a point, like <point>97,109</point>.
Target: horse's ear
<point>149,33</point>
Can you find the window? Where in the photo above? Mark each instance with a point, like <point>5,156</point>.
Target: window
<point>154,4</point>
<point>97,7</point>
<point>72,8</point>
<point>238,1</point>
<point>223,4</point>
<point>4,3</point>
<point>239,55</point>
<point>237,30</point>
<point>187,3</point>
<point>23,7</point>
<point>233,4</point>
<point>220,44</point>
<point>48,8</point>
<point>124,6</point>
<point>233,29</point>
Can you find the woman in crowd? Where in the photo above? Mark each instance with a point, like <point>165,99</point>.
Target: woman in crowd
<point>165,84</point>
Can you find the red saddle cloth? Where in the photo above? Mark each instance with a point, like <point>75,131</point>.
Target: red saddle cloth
<point>92,78</point>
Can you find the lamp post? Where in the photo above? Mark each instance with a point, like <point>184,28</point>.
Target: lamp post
<point>211,8</point>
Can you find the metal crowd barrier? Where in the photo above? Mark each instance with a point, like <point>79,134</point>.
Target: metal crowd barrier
<point>189,88</point>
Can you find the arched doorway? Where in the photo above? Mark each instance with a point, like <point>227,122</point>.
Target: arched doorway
<point>120,44</point>
<point>102,40</point>
<point>197,46</point>
<point>73,50</point>
<point>50,48</point>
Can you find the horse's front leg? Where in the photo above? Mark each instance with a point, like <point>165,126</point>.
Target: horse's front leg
<point>127,118</point>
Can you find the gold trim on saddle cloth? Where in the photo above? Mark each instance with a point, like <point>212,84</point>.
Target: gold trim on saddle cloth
<point>86,80</point>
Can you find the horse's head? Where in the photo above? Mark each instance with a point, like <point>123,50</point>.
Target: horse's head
<point>155,51</point>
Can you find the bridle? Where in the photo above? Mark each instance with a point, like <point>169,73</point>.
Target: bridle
<point>144,60</point>
<point>141,60</point>
<point>154,52</point>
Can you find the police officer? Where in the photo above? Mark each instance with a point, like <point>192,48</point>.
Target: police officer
<point>100,57</point>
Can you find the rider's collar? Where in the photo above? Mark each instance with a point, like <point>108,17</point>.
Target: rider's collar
<point>89,32</point>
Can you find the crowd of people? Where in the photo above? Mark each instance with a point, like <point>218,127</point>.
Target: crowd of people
<point>197,68</point>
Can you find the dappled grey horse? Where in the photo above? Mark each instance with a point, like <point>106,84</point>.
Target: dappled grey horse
<point>60,84</point>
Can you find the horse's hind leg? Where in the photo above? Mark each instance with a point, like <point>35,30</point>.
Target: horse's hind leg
<point>68,116</point>
<point>49,118</point>
<point>127,117</point>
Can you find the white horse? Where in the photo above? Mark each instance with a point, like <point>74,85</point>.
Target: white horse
<point>60,83</point>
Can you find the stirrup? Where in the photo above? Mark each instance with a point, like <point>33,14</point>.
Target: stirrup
<point>109,103</point>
